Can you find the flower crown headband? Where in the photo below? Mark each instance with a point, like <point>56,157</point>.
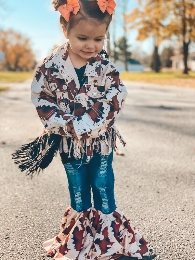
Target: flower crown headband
<point>73,6</point>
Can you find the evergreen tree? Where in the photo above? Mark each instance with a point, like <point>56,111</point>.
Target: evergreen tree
<point>156,64</point>
<point>123,51</point>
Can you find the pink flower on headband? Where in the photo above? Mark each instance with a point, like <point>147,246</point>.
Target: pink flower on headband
<point>107,5</point>
<point>72,6</point>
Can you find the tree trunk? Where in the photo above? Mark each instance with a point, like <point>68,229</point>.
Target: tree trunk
<point>185,44</point>
<point>185,57</point>
<point>115,58</point>
<point>126,55</point>
<point>108,44</point>
<point>156,60</point>
<point>126,64</point>
<point>115,53</point>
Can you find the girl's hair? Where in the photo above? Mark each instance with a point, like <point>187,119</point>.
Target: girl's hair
<point>89,10</point>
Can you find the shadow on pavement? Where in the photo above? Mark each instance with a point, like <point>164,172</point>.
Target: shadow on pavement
<point>132,258</point>
<point>162,107</point>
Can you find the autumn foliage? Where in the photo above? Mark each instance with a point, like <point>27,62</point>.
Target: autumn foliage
<point>18,55</point>
<point>164,20</point>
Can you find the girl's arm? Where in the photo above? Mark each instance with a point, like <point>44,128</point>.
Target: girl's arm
<point>53,119</point>
<point>98,118</point>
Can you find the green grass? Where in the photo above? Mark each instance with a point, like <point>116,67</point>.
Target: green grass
<point>149,76</point>
<point>12,76</point>
<point>3,88</point>
<point>176,78</point>
<point>164,78</point>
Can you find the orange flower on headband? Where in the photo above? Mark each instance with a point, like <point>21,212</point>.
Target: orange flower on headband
<point>72,6</point>
<point>107,5</point>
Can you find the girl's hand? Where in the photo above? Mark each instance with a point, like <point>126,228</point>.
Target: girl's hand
<point>70,129</point>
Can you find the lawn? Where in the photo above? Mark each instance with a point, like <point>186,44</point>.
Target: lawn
<point>162,78</point>
<point>3,88</point>
<point>12,76</point>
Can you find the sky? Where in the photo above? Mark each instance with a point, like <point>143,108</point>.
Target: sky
<point>37,20</point>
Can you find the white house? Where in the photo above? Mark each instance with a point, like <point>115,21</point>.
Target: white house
<point>177,61</point>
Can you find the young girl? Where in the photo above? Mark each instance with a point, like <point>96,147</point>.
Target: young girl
<point>78,95</point>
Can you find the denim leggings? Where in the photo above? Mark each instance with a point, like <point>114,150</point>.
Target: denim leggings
<point>96,175</point>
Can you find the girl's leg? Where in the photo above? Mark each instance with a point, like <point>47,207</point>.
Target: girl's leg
<point>102,182</point>
<point>79,185</point>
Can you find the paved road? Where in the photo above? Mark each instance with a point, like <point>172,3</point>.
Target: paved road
<point>155,180</point>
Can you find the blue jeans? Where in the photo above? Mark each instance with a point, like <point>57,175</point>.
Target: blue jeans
<point>96,175</point>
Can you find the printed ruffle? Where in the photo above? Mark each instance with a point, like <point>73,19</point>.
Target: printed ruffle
<point>93,235</point>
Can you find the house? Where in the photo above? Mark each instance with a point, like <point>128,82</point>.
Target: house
<point>177,61</point>
<point>133,65</point>
<point>2,56</point>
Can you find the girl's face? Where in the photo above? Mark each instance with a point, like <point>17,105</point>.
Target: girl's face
<point>86,40</point>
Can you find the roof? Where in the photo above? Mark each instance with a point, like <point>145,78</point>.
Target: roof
<point>133,62</point>
<point>130,61</point>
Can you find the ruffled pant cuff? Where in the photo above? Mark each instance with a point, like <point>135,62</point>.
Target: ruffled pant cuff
<point>93,235</point>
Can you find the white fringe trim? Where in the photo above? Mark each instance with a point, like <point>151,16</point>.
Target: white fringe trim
<point>103,145</point>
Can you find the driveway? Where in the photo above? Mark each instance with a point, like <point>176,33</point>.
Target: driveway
<point>154,181</point>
